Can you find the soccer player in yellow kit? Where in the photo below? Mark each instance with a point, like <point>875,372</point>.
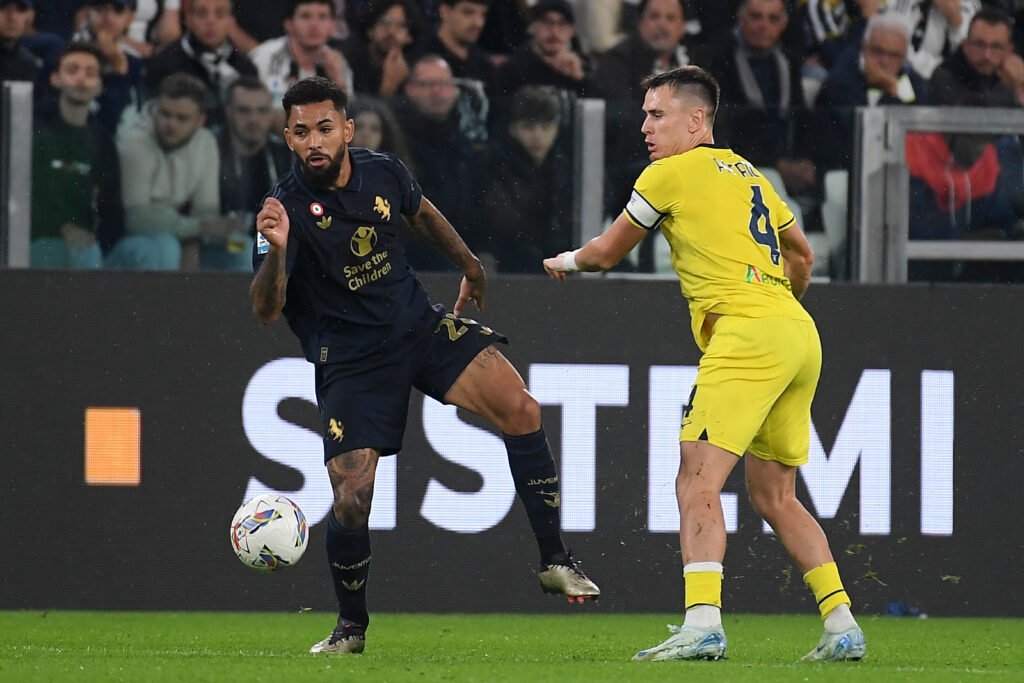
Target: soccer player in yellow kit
<point>743,264</point>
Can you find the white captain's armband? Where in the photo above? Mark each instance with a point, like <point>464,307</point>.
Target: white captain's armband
<point>642,213</point>
<point>262,244</point>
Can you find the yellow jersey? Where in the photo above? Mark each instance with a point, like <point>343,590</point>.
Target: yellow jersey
<point>722,220</point>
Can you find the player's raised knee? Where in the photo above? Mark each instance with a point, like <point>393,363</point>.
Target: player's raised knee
<point>522,414</point>
<point>352,507</point>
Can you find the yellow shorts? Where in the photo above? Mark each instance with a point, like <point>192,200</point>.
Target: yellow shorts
<point>754,388</point>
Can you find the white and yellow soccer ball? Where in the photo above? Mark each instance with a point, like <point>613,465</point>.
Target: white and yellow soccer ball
<point>269,533</point>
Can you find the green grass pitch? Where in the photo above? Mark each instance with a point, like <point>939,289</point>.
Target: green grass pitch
<point>193,647</point>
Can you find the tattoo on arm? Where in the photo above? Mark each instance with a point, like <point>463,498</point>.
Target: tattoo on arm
<point>267,291</point>
<point>431,225</point>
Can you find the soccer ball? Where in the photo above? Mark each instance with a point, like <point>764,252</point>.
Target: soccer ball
<point>269,533</point>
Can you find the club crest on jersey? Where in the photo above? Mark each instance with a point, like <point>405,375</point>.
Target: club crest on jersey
<point>383,207</point>
<point>364,240</point>
<point>317,209</point>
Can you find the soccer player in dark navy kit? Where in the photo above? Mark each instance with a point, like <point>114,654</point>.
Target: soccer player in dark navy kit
<point>328,256</point>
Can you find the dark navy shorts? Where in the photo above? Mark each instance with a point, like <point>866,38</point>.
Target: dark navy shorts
<point>368,408</point>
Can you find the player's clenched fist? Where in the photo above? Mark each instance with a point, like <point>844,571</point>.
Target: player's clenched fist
<point>272,223</point>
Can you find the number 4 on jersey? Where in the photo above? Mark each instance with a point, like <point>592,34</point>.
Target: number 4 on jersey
<point>768,238</point>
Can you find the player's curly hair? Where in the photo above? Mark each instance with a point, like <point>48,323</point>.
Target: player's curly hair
<point>314,89</point>
<point>691,80</point>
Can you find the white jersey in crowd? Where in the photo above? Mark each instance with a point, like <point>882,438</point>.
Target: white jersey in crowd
<point>145,12</point>
<point>932,38</point>
<point>157,183</point>
<point>825,19</point>
<point>278,69</point>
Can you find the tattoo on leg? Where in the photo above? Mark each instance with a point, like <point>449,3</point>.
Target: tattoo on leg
<point>353,464</point>
<point>350,461</point>
<point>486,357</point>
<point>352,474</point>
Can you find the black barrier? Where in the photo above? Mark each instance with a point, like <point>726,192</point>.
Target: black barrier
<point>915,473</point>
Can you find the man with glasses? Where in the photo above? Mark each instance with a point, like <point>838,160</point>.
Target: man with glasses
<point>878,74</point>
<point>984,65</point>
<point>936,27</point>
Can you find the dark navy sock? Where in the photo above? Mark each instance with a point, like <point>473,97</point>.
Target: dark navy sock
<point>348,552</point>
<point>536,480</point>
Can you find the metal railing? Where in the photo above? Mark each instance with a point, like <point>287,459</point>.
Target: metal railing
<point>15,173</point>
<point>880,236</point>
<point>588,169</point>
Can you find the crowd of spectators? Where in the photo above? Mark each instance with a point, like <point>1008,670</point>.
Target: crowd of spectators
<point>158,122</point>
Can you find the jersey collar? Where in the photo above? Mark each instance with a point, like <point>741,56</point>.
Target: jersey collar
<point>355,181</point>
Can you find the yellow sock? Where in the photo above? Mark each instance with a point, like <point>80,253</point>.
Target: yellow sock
<point>703,582</point>
<point>828,589</point>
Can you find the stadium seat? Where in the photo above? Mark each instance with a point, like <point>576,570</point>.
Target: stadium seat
<point>834,211</point>
<point>817,240</point>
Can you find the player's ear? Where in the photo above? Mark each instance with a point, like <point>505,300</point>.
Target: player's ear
<point>349,130</point>
<point>696,119</point>
<point>55,78</point>
<point>288,138</point>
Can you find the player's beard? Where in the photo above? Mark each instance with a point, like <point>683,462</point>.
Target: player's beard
<point>325,177</point>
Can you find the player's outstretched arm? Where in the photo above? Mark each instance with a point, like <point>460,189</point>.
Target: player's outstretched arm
<point>797,258</point>
<point>601,253</point>
<point>431,225</point>
<point>267,291</point>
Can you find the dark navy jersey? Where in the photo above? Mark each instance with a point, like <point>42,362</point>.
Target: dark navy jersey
<point>351,295</point>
